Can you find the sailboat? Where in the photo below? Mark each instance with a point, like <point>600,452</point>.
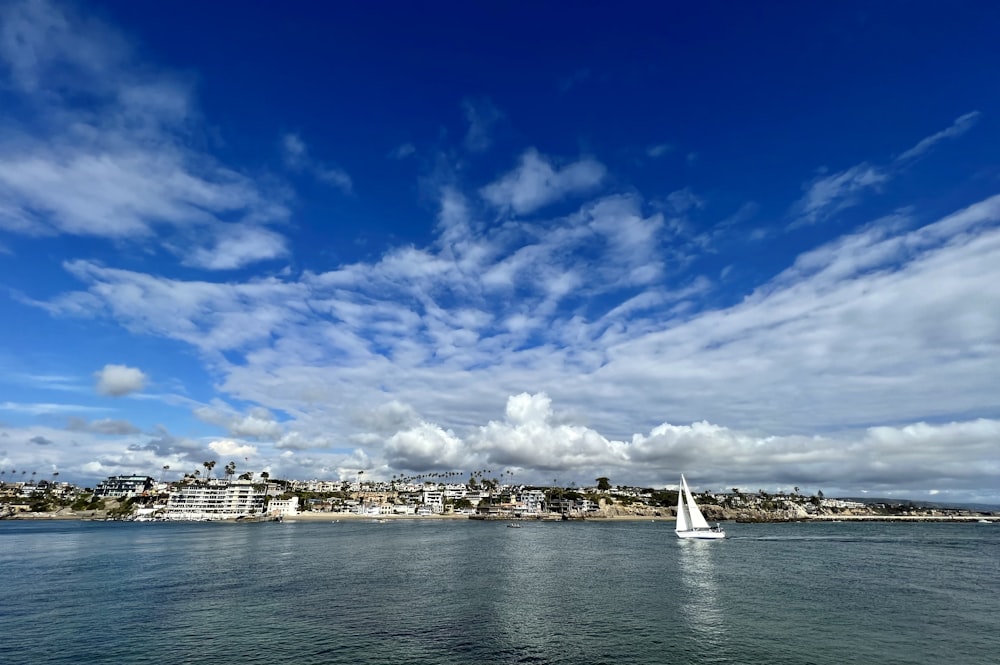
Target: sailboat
<point>690,522</point>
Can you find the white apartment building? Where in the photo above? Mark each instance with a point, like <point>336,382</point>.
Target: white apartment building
<point>216,501</point>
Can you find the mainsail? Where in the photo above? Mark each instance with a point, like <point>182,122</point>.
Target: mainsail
<point>695,519</point>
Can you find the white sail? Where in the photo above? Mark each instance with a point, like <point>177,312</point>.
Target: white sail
<point>683,523</point>
<point>694,513</point>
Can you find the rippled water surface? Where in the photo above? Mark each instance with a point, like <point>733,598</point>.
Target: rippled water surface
<point>466,592</point>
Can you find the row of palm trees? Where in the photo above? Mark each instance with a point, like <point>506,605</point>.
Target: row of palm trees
<point>475,477</point>
<point>24,473</point>
<point>230,470</point>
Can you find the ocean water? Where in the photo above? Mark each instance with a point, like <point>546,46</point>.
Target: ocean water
<point>467,592</point>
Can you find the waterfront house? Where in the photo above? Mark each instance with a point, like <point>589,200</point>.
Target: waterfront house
<point>124,487</point>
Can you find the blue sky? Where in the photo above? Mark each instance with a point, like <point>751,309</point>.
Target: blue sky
<point>758,244</point>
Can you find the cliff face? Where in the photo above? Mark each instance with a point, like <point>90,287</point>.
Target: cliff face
<point>788,514</point>
<point>711,512</point>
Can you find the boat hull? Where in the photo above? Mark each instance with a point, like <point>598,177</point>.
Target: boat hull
<point>702,535</point>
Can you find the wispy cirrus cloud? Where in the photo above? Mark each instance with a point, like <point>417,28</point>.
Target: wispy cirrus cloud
<point>829,194</point>
<point>296,155</point>
<point>99,144</point>
<point>48,408</point>
<point>961,125</point>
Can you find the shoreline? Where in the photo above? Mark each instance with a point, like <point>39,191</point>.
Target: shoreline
<point>352,517</point>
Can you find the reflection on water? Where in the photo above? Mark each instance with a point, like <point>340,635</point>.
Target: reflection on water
<point>701,609</point>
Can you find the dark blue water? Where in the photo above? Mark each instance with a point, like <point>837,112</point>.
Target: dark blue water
<point>457,592</point>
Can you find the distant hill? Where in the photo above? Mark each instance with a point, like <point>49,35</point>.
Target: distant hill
<point>978,507</point>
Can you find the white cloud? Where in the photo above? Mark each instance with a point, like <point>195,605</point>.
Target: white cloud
<point>425,447</point>
<point>536,183</point>
<point>119,380</point>
<point>961,125</point>
<point>229,448</point>
<point>235,246</point>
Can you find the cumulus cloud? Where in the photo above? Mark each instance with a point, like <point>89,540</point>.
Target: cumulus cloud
<point>119,380</point>
<point>40,441</point>
<point>536,183</point>
<point>231,448</point>
<point>425,447</point>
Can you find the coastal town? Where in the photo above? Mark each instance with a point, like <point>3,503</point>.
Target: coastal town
<point>251,497</point>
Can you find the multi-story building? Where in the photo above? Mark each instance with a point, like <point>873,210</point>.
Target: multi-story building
<point>120,487</point>
<point>217,501</point>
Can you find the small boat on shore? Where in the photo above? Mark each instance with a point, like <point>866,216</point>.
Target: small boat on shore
<point>690,522</point>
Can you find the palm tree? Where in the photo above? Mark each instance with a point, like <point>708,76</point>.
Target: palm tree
<point>209,465</point>
<point>230,470</point>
